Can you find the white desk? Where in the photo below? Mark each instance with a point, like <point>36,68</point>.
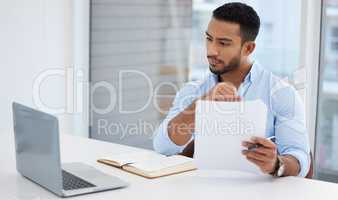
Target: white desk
<point>191,185</point>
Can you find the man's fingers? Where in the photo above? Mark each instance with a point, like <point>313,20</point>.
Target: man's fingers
<point>236,98</point>
<point>256,162</point>
<point>265,151</point>
<point>255,155</point>
<point>247,144</point>
<point>229,91</point>
<point>225,89</point>
<point>264,142</point>
<point>227,98</point>
<point>261,150</point>
<point>264,156</point>
<point>223,92</point>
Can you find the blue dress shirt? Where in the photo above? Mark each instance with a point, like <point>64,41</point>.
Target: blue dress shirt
<point>285,120</point>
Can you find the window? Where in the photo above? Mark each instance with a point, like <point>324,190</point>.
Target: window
<point>327,117</point>
<point>334,40</point>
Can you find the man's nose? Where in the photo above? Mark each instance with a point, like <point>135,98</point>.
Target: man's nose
<point>212,50</point>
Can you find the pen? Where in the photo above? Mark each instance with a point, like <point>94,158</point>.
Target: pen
<point>255,146</point>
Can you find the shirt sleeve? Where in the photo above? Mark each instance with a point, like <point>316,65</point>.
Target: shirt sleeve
<point>161,142</point>
<point>290,129</point>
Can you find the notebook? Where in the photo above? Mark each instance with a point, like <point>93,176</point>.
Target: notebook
<point>150,164</point>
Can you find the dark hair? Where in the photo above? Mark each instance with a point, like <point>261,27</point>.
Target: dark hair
<point>241,14</point>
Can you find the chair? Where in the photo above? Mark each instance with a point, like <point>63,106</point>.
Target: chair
<point>311,171</point>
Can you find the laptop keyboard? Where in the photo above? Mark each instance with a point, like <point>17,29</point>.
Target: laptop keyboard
<point>72,182</point>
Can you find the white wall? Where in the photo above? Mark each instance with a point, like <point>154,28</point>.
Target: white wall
<point>35,36</point>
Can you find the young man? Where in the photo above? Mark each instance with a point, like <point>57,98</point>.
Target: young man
<point>230,40</point>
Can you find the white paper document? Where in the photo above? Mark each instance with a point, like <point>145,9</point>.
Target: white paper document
<point>220,128</point>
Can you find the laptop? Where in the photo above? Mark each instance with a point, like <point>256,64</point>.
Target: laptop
<point>38,157</point>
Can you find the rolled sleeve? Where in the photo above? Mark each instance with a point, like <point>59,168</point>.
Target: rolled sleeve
<point>303,159</point>
<point>290,129</point>
<point>161,142</point>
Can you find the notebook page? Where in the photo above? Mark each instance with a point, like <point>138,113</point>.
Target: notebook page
<point>128,158</point>
<point>161,163</point>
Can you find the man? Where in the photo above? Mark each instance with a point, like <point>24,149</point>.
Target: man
<point>230,40</point>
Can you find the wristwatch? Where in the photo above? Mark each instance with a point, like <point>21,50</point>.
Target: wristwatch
<point>280,168</point>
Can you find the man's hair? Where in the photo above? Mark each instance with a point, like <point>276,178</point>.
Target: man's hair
<point>241,14</point>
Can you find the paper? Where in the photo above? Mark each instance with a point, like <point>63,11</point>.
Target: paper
<point>220,128</point>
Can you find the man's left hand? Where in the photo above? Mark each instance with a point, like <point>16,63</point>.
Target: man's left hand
<point>264,156</point>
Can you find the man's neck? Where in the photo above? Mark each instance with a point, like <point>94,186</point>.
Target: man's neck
<point>236,77</point>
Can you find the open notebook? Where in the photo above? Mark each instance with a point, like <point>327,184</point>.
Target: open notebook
<point>150,164</point>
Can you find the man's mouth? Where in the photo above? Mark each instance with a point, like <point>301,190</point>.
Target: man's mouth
<point>214,62</point>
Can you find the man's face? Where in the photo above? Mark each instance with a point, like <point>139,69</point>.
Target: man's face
<point>223,46</point>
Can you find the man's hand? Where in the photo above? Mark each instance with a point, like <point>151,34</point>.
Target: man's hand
<point>181,127</point>
<point>222,92</point>
<point>265,156</point>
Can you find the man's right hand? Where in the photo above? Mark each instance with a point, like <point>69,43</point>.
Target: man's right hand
<point>222,92</point>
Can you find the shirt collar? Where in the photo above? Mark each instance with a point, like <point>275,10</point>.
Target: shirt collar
<point>251,76</point>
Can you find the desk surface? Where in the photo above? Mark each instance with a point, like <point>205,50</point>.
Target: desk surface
<point>200,184</point>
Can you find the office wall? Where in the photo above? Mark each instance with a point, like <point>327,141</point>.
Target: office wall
<point>35,37</point>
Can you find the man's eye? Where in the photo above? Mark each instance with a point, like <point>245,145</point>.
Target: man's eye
<point>209,39</point>
<point>224,44</point>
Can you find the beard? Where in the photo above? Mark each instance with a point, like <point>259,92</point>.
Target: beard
<point>233,64</point>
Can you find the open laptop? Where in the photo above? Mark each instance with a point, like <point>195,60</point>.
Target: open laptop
<point>38,157</point>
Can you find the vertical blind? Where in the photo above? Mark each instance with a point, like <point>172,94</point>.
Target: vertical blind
<point>137,47</point>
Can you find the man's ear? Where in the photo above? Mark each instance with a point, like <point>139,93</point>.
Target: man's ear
<point>248,48</point>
